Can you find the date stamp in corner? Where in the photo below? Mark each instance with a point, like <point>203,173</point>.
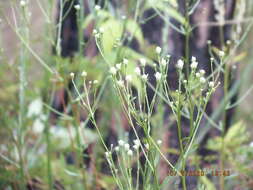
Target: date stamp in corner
<point>201,172</point>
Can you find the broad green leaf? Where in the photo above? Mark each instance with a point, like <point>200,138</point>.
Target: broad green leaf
<point>135,30</point>
<point>113,30</point>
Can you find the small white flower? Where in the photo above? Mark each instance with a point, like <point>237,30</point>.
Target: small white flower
<point>202,80</point>
<point>136,147</point>
<point>143,62</point>
<point>97,35</point>
<point>121,142</point>
<point>35,108</point>
<point>194,59</point>
<point>118,66</point>
<point>251,144</point>
<point>95,81</point>
<point>194,65</point>
<point>144,77</point>
<point>94,31</point>
<point>158,76</point>
<point>117,148</point>
<point>22,3</point>
<point>97,7</point>
<point>159,142</point>
<point>221,53</point>
<point>120,83</point>
<point>211,84</point>
<point>185,81</point>
<point>180,64</point>
<point>137,71</point>
<point>127,146</point>
<point>158,50</point>
<point>212,59</point>
<point>84,74</point>
<point>113,70</point>
<point>147,146</point>
<point>107,154</point>
<point>202,71</point>
<point>123,17</point>
<point>72,75</point>
<point>130,153</point>
<point>77,7</point>
<point>137,142</point>
<point>198,75</point>
<point>163,62</point>
<point>125,61</point>
<point>129,78</point>
<point>228,42</point>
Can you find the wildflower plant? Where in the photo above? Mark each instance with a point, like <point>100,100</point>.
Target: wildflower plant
<point>188,101</point>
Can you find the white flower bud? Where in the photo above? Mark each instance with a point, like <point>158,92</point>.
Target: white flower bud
<point>130,153</point>
<point>144,77</point>
<point>118,66</point>
<point>22,3</point>
<point>117,148</point>
<point>211,84</point>
<point>94,31</point>
<point>159,142</point>
<point>194,59</point>
<point>125,61</point>
<point>136,147</point>
<point>127,146</point>
<point>72,75</point>
<point>202,80</point>
<point>143,62</point>
<point>147,146</point>
<point>120,83</point>
<point>158,50</point>
<point>180,64</point>
<point>97,7</point>
<point>221,53</point>
<point>121,142</point>
<point>77,7</point>
<point>198,75</point>
<point>113,70</point>
<point>129,78</point>
<point>84,74</point>
<point>163,62</point>
<point>136,141</point>
<point>202,71</point>
<point>107,154</point>
<point>158,76</point>
<point>194,65</point>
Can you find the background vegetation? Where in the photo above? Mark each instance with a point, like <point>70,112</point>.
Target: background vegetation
<point>64,111</point>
